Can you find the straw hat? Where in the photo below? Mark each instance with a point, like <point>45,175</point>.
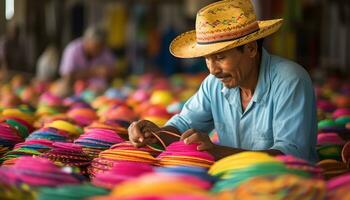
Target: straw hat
<point>221,26</point>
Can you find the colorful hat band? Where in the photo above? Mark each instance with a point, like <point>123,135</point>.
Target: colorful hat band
<point>233,34</point>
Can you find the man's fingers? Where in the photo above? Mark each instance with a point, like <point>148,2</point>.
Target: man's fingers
<point>201,147</point>
<point>187,133</point>
<point>192,136</point>
<point>140,134</point>
<point>136,143</point>
<point>135,135</point>
<point>145,142</point>
<point>148,134</point>
<point>151,140</point>
<point>193,139</point>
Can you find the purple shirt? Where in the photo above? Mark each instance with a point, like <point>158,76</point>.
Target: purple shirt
<point>74,58</point>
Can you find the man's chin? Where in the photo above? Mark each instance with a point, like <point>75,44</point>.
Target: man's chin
<point>229,82</point>
<point>229,85</point>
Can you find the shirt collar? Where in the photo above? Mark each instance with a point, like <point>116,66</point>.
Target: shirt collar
<point>262,87</point>
<point>232,95</point>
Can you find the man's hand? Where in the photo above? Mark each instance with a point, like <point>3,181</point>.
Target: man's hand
<point>100,71</point>
<point>140,133</point>
<point>192,136</point>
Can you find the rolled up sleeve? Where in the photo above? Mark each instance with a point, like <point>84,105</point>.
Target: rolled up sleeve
<point>196,112</point>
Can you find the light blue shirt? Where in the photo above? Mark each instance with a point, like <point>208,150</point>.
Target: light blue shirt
<point>281,114</point>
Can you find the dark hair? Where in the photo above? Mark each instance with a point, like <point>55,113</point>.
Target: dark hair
<point>260,46</point>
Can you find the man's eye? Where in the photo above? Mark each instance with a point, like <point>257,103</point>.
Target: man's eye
<point>220,57</point>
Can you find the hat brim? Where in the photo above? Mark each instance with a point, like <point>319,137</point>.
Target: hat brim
<point>185,45</point>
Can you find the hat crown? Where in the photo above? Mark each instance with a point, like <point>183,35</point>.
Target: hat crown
<point>225,20</point>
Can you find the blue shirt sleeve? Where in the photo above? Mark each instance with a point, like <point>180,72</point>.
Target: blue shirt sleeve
<point>196,112</point>
<point>294,117</point>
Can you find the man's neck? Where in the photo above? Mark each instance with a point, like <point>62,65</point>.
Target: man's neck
<point>86,52</point>
<point>248,88</point>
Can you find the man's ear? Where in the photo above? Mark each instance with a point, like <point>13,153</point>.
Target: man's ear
<point>251,48</point>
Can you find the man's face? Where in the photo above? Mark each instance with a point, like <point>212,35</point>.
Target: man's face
<point>92,47</point>
<point>232,67</point>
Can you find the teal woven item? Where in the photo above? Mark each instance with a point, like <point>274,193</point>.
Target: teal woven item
<point>71,192</point>
<point>342,121</point>
<point>327,123</point>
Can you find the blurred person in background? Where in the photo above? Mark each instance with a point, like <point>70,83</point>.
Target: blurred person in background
<point>47,65</point>
<point>12,51</point>
<point>87,58</point>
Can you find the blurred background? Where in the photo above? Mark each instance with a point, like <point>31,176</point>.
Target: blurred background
<point>316,33</point>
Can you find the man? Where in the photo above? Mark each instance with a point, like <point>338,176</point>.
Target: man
<point>254,100</point>
<point>87,57</point>
<point>47,64</point>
